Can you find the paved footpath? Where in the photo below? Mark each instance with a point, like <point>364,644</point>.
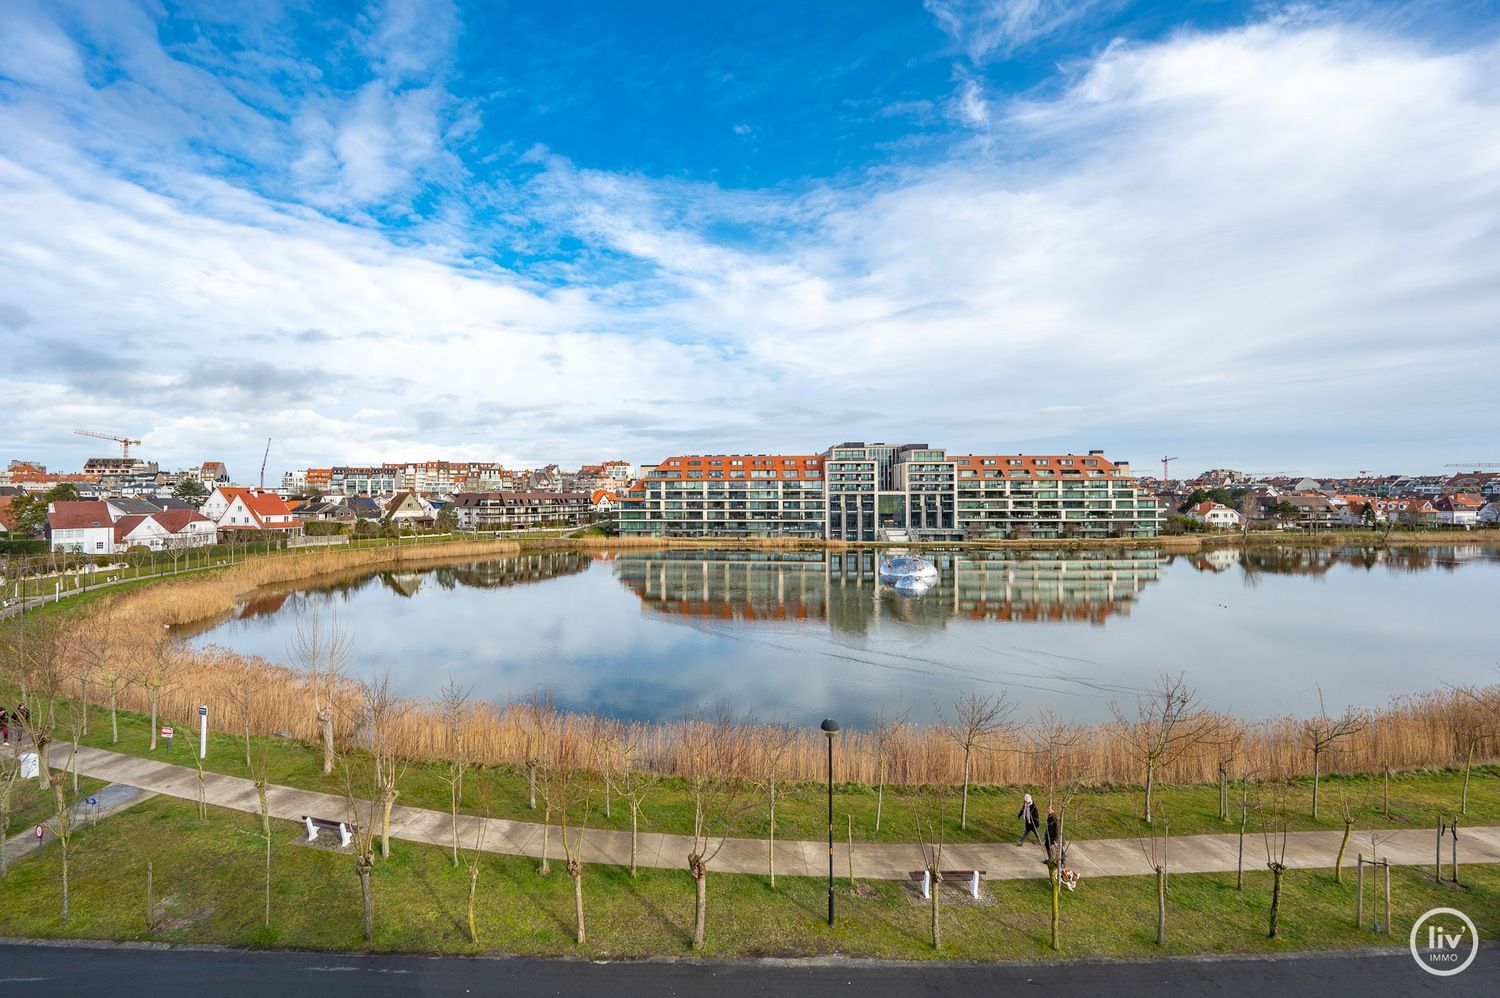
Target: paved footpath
<point>108,800</point>
<point>1001,860</point>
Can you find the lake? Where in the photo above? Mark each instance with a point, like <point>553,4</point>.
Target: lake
<point>799,635</point>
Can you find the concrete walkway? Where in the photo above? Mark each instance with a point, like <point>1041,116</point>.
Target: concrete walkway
<point>111,800</point>
<point>1003,861</point>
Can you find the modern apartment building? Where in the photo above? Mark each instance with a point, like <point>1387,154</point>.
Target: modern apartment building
<point>505,510</point>
<point>886,492</point>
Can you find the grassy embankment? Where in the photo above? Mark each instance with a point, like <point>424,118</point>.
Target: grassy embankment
<point>208,882</point>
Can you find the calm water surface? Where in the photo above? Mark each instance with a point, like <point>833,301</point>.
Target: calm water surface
<point>803,635</point>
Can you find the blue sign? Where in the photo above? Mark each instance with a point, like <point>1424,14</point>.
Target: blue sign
<point>91,801</point>
<point>202,711</point>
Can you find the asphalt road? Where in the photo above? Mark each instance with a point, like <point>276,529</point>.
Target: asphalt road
<point>167,973</point>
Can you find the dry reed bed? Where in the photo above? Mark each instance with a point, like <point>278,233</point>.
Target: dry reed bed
<point>1426,731</point>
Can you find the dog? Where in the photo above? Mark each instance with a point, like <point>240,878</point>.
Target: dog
<point>1068,878</point>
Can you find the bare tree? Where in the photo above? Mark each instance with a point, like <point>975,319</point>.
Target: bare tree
<point>1274,827</point>
<point>1155,849</point>
<point>1249,510</point>
<point>635,780</point>
<point>889,731</point>
<point>15,793</point>
<point>243,692</point>
<point>322,648</point>
<point>1474,724</point>
<point>456,709</point>
<point>361,791</point>
<point>475,856</point>
<point>568,791</point>
<point>930,842</point>
<point>381,714</point>
<point>1055,748</point>
<point>1228,738</point>
<point>158,668</point>
<point>258,763</point>
<point>715,757</point>
<point>1338,863</point>
<point>1167,723</point>
<point>976,717</point>
<point>1323,733</point>
<point>778,740</point>
<point>36,725</point>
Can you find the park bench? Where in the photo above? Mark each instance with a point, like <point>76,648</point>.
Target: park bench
<point>924,877</point>
<point>346,831</point>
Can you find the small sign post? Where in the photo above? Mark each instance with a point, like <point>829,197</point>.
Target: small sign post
<point>203,732</point>
<point>166,732</point>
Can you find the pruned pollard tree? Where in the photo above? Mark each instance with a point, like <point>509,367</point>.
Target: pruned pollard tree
<point>716,753</point>
<point>977,717</point>
<point>1155,849</point>
<point>1475,724</point>
<point>1274,831</point>
<point>321,647</point>
<point>157,667</point>
<point>1323,733</point>
<point>1168,722</point>
<point>361,794</point>
<point>568,787</point>
<point>1228,736</point>
<point>929,822</point>
<point>777,741</point>
<point>381,713</point>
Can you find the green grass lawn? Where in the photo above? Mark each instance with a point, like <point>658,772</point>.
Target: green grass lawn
<point>207,878</point>
<point>1416,798</point>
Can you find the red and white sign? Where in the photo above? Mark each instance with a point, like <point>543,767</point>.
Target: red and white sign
<point>38,831</point>
<point>166,732</point>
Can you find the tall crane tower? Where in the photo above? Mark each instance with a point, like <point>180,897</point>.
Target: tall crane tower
<point>1164,462</point>
<point>124,442</point>
<point>1475,465</point>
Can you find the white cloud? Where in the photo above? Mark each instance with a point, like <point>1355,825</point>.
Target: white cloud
<point>1277,239</point>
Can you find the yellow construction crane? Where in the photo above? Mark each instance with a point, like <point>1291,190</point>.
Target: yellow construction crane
<point>124,442</point>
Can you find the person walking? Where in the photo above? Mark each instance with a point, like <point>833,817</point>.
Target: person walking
<point>1032,819</point>
<point>1054,832</point>
<point>4,726</point>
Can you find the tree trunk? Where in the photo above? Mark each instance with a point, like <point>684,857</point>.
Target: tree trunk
<point>531,783</point>
<point>62,840</point>
<point>1276,871</point>
<point>1223,792</point>
<point>268,877</point>
<point>1056,871</point>
<point>879,795</point>
<point>1161,906</point>
<point>634,823</point>
<point>937,923</point>
<point>454,799</point>
<point>114,718</point>
<point>246,718</point>
<point>325,720</point>
<point>963,813</point>
<point>387,799</point>
<point>473,889</point>
<point>1463,807</point>
<point>771,842</point>
<point>1239,864</point>
<point>577,873</point>
<point>1387,801</point>
<point>700,907</point>
<point>1150,784</point>
<point>367,896</point>
<point>153,722</point>
<point>1317,775</point>
<point>546,867</point>
<point>1338,864</point>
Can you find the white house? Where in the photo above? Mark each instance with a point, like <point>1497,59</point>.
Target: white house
<point>81,527</point>
<point>1216,515</point>
<point>235,508</point>
<point>1489,513</point>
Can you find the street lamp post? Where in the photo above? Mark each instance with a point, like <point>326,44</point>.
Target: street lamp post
<point>830,728</point>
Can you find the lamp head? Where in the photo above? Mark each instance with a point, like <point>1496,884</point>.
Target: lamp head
<point>830,727</point>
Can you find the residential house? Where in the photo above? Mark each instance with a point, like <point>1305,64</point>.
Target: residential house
<point>409,507</point>
<point>1216,515</point>
<point>1489,514</point>
<point>81,527</point>
<point>1310,511</point>
<point>604,501</point>
<point>1458,510</point>
<point>235,508</point>
<point>323,511</point>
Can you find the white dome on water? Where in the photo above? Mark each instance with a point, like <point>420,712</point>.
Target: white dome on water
<point>909,574</point>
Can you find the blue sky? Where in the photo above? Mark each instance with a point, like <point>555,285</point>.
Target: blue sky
<point>1253,235</point>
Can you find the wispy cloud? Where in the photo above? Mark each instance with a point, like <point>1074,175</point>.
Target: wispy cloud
<point>987,28</point>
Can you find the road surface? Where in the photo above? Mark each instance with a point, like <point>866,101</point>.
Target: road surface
<point>91,969</point>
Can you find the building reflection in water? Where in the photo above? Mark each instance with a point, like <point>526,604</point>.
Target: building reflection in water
<point>842,587</point>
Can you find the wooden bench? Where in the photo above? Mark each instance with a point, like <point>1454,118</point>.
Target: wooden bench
<point>924,877</point>
<point>346,831</point>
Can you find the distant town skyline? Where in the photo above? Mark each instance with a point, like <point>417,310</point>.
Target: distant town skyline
<point>1247,236</point>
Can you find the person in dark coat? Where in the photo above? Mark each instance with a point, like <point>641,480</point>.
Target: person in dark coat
<point>5,725</point>
<point>1054,831</point>
<point>1032,819</point>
